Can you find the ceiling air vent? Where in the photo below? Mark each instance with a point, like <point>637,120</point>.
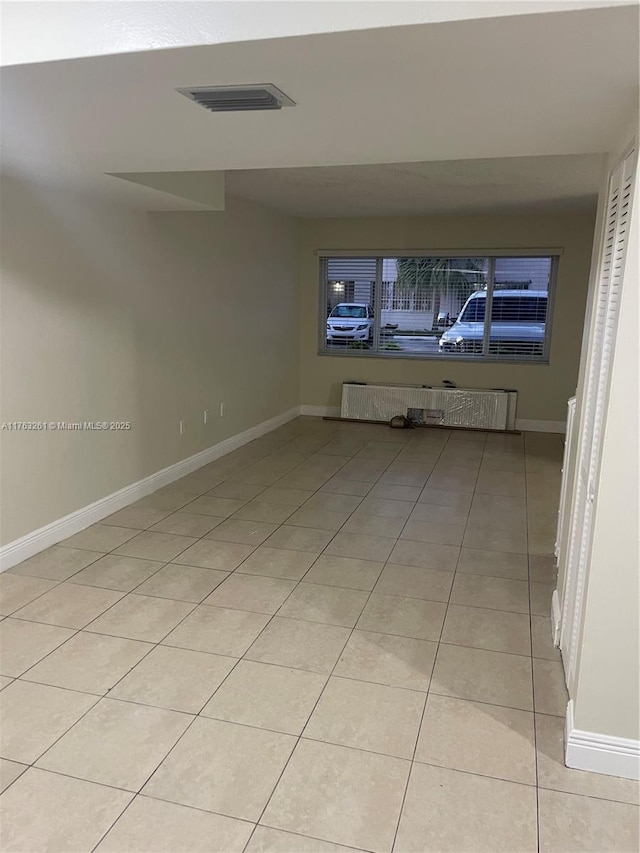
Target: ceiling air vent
<point>255,96</point>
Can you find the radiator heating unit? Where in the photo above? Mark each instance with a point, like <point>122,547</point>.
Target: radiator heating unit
<point>471,408</point>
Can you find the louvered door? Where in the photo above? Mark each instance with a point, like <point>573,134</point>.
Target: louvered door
<point>601,346</point>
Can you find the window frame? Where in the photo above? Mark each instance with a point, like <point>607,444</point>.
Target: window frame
<point>323,256</point>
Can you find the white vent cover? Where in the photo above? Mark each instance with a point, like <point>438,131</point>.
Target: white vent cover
<point>471,408</point>
<point>254,96</point>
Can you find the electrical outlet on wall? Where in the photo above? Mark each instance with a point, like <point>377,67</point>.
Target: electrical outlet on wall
<point>205,416</point>
<point>223,409</point>
<point>181,427</point>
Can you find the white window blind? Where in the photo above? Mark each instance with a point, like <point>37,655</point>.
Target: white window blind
<point>466,307</point>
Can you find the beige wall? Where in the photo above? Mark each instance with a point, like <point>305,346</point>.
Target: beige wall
<point>109,314</point>
<point>543,389</point>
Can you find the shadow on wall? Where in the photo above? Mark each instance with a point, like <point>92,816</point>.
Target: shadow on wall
<point>111,314</point>
<point>69,275</point>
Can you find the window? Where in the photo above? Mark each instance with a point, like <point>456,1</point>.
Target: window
<point>438,307</point>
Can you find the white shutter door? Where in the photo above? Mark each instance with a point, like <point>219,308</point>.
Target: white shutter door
<point>565,495</point>
<point>603,332</point>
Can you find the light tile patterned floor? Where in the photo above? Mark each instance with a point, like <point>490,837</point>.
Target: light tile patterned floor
<point>335,638</point>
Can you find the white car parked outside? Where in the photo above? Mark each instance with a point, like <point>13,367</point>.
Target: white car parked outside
<point>350,321</point>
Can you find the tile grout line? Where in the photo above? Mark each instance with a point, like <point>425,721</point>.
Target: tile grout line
<point>106,695</point>
<point>426,698</point>
<point>197,604</point>
<point>329,743</point>
<point>195,717</point>
<point>102,696</point>
<point>85,629</point>
<point>126,593</point>
<point>114,822</point>
<point>113,605</point>
<point>533,688</point>
<point>99,696</point>
<point>300,737</point>
<point>233,668</point>
<point>182,509</point>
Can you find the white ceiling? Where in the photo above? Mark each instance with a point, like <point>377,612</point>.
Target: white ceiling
<point>551,84</point>
<point>554,183</point>
<point>43,31</point>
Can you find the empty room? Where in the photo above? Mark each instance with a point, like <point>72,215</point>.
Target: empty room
<point>319,458</point>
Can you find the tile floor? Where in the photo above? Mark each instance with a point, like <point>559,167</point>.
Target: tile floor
<point>335,638</point>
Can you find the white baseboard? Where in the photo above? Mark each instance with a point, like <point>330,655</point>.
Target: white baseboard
<point>521,424</point>
<point>32,543</point>
<point>540,426</point>
<point>321,411</point>
<point>612,756</point>
<point>555,618</point>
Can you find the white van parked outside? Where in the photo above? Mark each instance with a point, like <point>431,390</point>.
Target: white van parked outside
<point>518,319</point>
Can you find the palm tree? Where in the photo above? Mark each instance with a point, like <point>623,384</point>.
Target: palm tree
<point>440,275</point>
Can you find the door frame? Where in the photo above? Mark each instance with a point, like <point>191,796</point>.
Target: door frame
<point>595,380</point>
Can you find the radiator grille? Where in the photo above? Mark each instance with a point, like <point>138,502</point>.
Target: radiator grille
<point>462,407</point>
